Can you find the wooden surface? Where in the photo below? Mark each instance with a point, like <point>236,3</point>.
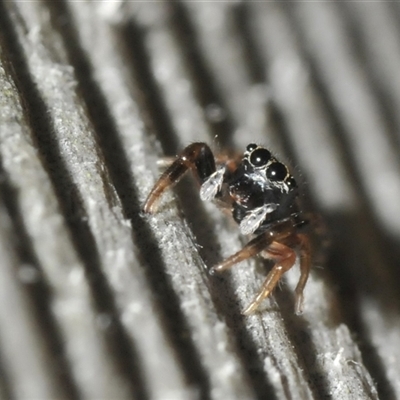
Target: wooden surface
<point>98,301</point>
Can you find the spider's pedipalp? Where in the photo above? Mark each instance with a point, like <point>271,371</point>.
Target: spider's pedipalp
<point>212,185</point>
<point>255,218</point>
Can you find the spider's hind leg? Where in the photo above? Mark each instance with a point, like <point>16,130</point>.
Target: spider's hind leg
<point>197,157</point>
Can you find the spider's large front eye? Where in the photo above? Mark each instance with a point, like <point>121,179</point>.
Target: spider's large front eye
<point>260,157</point>
<point>276,172</point>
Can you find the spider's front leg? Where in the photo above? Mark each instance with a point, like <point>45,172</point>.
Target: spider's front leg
<point>276,246</point>
<point>196,157</point>
<point>284,258</point>
<point>251,249</point>
<point>271,249</point>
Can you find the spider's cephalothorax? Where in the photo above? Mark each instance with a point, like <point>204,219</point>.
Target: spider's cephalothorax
<point>262,190</point>
<point>262,196</point>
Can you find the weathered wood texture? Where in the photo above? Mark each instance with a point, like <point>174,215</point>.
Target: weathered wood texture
<point>98,301</point>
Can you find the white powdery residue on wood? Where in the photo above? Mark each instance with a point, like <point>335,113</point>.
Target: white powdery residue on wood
<point>347,375</point>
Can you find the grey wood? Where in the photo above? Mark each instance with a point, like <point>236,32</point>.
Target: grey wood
<point>100,301</point>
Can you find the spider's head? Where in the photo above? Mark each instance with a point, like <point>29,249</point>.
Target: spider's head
<point>265,167</point>
<point>261,179</point>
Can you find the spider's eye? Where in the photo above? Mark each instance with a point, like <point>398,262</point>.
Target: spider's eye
<point>276,172</point>
<point>251,147</point>
<point>260,157</point>
<point>291,183</point>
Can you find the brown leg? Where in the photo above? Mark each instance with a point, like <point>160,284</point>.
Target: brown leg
<point>284,258</point>
<point>231,161</point>
<point>305,266</point>
<point>255,246</point>
<point>196,157</point>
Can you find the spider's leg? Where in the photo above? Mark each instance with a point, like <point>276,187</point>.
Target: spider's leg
<point>254,247</point>
<point>197,157</point>
<point>231,161</point>
<point>305,266</point>
<point>212,186</point>
<point>165,162</point>
<point>284,258</point>
<point>281,232</point>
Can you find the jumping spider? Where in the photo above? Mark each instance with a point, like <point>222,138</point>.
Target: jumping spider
<point>263,198</point>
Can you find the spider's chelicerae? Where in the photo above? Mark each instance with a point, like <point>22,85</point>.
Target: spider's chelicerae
<point>262,196</point>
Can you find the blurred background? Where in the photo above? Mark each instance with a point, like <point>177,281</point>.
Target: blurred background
<point>99,301</point>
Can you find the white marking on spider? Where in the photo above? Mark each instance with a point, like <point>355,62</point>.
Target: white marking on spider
<point>251,222</point>
<point>212,185</point>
